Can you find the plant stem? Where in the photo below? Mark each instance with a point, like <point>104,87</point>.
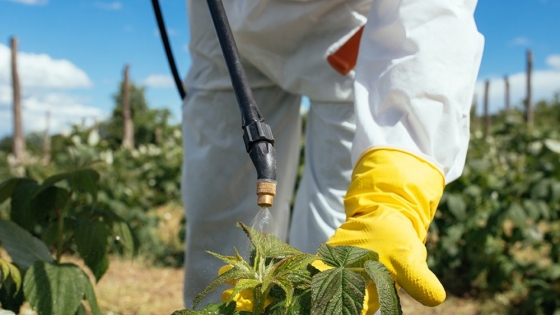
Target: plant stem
<point>59,237</point>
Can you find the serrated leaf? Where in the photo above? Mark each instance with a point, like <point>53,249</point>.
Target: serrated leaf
<point>7,187</point>
<point>89,294</point>
<point>91,241</point>
<point>22,210</point>
<point>23,248</point>
<point>54,289</point>
<point>287,287</point>
<point>294,269</point>
<point>230,275</point>
<point>389,300</point>
<point>337,291</point>
<point>345,256</point>
<point>268,245</point>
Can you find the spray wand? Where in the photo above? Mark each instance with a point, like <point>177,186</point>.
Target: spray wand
<point>257,135</point>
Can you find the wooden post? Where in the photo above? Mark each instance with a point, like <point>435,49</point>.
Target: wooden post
<point>18,139</point>
<point>47,141</point>
<point>486,114</point>
<point>528,100</point>
<point>507,99</point>
<point>128,124</point>
<point>474,117</point>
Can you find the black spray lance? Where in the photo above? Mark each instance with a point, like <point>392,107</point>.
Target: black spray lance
<point>257,135</point>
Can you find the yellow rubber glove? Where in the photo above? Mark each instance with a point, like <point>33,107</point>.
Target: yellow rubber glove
<point>389,205</point>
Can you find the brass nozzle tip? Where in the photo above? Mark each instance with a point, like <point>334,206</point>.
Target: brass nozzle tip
<point>266,192</point>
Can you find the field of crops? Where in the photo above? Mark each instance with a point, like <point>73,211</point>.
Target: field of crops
<point>495,241</point>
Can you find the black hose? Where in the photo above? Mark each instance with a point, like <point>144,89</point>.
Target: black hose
<point>167,47</point>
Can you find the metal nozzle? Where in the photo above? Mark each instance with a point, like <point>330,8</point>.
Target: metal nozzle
<point>266,192</point>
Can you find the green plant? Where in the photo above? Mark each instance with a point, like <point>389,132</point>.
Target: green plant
<point>47,220</point>
<point>288,279</point>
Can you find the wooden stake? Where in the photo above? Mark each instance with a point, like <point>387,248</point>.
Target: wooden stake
<point>486,114</point>
<point>528,100</point>
<point>507,99</point>
<point>474,115</point>
<point>47,141</point>
<point>18,139</point>
<point>128,124</point>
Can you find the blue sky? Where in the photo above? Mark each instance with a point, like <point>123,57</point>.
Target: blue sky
<point>72,53</point>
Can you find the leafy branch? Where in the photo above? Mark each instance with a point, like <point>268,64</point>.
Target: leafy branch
<point>280,279</point>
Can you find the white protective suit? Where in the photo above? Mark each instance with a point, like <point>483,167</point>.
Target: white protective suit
<point>414,82</point>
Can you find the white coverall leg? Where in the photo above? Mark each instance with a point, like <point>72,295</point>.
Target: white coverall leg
<point>283,45</point>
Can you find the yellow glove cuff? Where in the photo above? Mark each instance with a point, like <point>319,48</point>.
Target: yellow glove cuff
<point>397,179</point>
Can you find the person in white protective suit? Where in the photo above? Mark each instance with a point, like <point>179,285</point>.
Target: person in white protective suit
<point>382,139</point>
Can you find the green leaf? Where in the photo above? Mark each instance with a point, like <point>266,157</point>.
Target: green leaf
<point>11,298</point>
<point>89,294</point>
<point>23,248</point>
<point>7,187</point>
<point>120,230</point>
<point>517,214</point>
<point>345,256</point>
<point>52,200</point>
<point>294,269</point>
<point>91,240</point>
<point>287,287</point>
<point>267,245</point>
<point>389,300</point>
<point>54,289</point>
<point>337,291</point>
<point>10,270</point>
<point>301,304</point>
<point>230,275</point>
<point>22,210</point>
<point>456,205</point>
<point>80,180</point>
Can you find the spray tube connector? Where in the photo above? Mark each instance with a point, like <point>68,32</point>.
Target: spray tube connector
<point>259,144</point>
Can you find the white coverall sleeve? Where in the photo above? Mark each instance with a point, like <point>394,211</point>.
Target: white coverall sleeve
<point>415,77</point>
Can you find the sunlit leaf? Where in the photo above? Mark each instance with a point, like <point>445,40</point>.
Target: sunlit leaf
<point>230,275</point>
<point>54,289</point>
<point>268,245</point>
<point>337,291</point>
<point>389,300</point>
<point>341,256</point>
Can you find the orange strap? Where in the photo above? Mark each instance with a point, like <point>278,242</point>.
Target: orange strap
<point>344,59</point>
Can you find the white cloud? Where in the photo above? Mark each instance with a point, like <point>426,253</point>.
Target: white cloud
<point>110,6</point>
<point>44,87</point>
<point>520,41</point>
<point>41,71</point>
<point>159,81</point>
<point>553,61</point>
<point>30,2</point>
<point>545,84</point>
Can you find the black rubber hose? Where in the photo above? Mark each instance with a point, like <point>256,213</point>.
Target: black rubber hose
<point>257,134</point>
<point>245,100</point>
<point>167,47</point>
